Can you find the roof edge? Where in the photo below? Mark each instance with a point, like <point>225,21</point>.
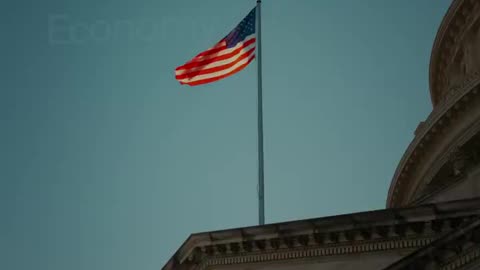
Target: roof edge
<point>337,222</point>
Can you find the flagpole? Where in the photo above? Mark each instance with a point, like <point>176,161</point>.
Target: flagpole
<point>261,191</point>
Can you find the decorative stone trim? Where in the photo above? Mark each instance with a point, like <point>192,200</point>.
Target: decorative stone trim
<point>380,238</point>
<point>402,229</point>
<point>455,155</point>
<point>460,16</point>
<point>327,251</point>
<point>468,82</point>
<point>464,260</point>
<point>449,250</point>
<point>451,183</point>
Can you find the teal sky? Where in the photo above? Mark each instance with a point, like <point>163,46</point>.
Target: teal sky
<point>108,163</point>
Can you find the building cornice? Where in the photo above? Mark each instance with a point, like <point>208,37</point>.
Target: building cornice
<point>368,232</point>
<point>453,250</point>
<point>319,251</point>
<point>464,260</point>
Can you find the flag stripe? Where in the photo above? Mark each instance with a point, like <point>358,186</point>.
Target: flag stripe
<point>207,55</point>
<point>217,48</point>
<point>218,73</point>
<point>215,65</point>
<point>217,69</point>
<point>216,78</point>
<point>224,54</point>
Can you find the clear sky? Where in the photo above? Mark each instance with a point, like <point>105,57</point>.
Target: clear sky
<point>108,163</point>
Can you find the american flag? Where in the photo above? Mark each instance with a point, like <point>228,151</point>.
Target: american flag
<point>230,55</point>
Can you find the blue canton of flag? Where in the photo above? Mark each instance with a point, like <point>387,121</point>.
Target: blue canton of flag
<point>245,28</point>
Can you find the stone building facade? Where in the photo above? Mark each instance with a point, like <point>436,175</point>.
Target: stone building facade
<point>432,218</point>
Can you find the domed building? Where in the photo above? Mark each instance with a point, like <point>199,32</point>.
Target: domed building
<point>441,162</point>
<point>432,218</point>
